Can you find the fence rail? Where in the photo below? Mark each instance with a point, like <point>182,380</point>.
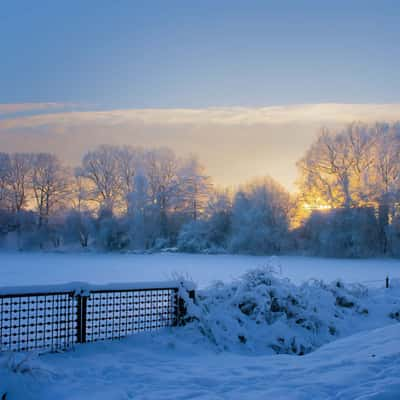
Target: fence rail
<point>45,319</point>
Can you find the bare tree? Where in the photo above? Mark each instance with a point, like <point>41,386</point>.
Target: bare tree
<point>334,167</point>
<point>5,167</point>
<point>130,161</point>
<point>384,179</point>
<point>161,168</point>
<point>20,179</point>
<point>101,168</point>
<point>358,166</point>
<point>195,187</point>
<point>50,185</point>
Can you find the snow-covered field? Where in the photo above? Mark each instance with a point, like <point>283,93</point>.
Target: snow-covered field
<point>350,335</point>
<point>50,268</point>
<point>363,366</point>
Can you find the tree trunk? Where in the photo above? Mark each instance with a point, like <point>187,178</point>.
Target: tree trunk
<point>383,222</point>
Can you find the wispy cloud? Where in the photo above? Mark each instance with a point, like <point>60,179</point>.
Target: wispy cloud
<point>303,113</point>
<point>19,110</point>
<point>235,143</point>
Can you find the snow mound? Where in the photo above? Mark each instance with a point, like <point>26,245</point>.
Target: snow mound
<point>261,312</point>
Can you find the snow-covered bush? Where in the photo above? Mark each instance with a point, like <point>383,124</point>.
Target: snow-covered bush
<point>394,237</point>
<point>208,235</point>
<point>193,237</point>
<point>341,233</point>
<point>161,243</point>
<point>78,228</point>
<point>111,233</point>
<point>264,313</point>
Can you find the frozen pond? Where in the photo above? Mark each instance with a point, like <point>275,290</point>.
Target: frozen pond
<point>51,268</point>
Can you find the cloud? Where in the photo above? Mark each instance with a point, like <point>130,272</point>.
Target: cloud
<point>235,143</point>
<point>9,109</point>
<point>21,107</point>
<point>303,113</point>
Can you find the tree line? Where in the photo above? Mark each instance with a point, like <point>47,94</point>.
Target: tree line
<point>130,198</point>
<point>355,173</point>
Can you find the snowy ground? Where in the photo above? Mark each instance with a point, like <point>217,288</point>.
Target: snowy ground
<point>205,360</point>
<point>38,268</point>
<point>165,366</point>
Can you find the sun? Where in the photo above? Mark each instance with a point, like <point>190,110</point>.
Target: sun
<point>316,206</point>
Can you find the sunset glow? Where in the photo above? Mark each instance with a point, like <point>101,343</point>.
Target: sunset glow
<point>316,206</point>
<point>210,190</point>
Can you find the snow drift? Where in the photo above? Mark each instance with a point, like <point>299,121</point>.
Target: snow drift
<point>261,312</point>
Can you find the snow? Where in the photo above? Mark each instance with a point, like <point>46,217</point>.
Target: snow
<point>168,366</point>
<point>84,287</point>
<point>262,313</point>
<point>19,269</point>
<point>349,334</point>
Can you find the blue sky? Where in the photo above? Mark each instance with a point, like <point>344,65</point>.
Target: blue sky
<point>245,85</point>
<point>162,54</point>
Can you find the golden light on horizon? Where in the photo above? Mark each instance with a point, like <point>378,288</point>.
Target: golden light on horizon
<point>316,206</point>
<point>304,210</point>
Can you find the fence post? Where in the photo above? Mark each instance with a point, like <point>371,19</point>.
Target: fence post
<point>181,309</point>
<point>387,282</point>
<point>81,317</point>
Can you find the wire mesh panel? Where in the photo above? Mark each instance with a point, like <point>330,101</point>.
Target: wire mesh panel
<point>37,321</point>
<point>56,320</point>
<point>115,314</point>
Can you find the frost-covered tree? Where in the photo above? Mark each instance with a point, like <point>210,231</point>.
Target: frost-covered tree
<point>343,232</point>
<point>101,169</point>
<point>356,167</point>
<point>260,221</point>
<point>130,162</point>
<point>211,232</point>
<point>5,167</point>
<point>383,181</point>
<point>161,168</point>
<point>50,185</point>
<point>78,227</point>
<point>334,166</point>
<point>195,187</point>
<point>20,180</point>
<point>219,213</point>
<point>140,216</point>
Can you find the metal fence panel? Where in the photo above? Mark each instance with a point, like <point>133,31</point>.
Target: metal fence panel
<point>37,321</point>
<point>115,314</point>
<point>57,320</point>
